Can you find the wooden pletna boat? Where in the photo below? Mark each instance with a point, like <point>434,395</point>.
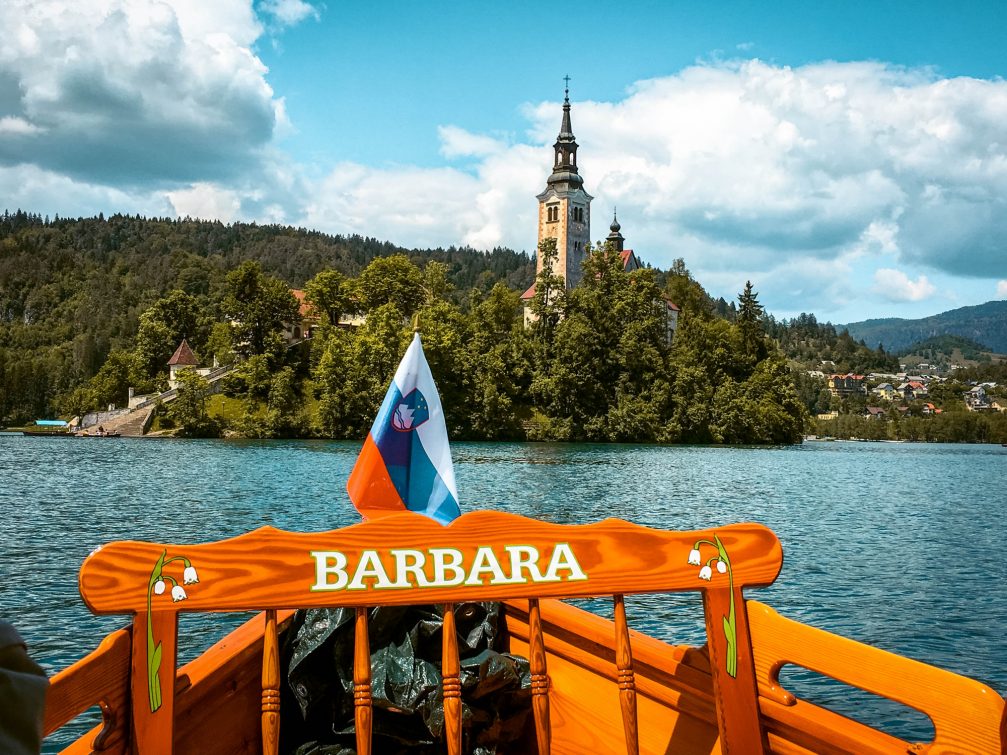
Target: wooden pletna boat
<point>597,685</point>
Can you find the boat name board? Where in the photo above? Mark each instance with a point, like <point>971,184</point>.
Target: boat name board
<point>401,568</point>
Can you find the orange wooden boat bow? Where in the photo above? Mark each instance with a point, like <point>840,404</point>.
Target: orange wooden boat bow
<point>597,685</point>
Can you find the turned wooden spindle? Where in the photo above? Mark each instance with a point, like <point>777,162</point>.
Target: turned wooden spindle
<point>539,677</point>
<point>451,671</point>
<point>627,680</point>
<point>362,711</point>
<point>270,687</point>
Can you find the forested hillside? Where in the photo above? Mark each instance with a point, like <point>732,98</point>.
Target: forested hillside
<point>93,307</point>
<point>805,340</point>
<point>72,290</point>
<point>984,323</point>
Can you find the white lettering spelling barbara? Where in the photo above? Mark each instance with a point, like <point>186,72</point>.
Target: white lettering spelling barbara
<point>444,567</point>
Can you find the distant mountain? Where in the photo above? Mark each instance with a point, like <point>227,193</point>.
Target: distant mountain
<point>986,324</point>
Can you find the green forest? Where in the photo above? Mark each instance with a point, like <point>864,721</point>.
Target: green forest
<point>92,307</point>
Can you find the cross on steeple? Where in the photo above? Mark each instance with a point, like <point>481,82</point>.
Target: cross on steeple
<point>566,89</point>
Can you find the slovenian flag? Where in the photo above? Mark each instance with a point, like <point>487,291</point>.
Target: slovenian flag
<point>405,463</point>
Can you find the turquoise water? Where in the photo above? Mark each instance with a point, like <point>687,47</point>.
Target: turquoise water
<point>897,545</point>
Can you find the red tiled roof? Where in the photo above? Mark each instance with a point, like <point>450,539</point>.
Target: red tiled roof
<point>183,356</point>
<point>529,293</point>
<point>306,310</point>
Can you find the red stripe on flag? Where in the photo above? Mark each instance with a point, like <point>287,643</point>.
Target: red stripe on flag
<point>371,489</point>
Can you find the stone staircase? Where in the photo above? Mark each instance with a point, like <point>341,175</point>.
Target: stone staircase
<point>133,425</point>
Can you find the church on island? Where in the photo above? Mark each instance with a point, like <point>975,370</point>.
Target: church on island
<point>564,214</point>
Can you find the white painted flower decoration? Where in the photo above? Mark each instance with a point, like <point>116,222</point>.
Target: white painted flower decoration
<point>722,562</point>
<point>157,585</point>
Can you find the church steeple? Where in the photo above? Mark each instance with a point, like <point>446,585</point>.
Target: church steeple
<point>617,239</point>
<point>564,207</point>
<point>564,168</point>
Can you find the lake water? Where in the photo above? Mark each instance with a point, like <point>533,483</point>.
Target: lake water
<point>896,545</point>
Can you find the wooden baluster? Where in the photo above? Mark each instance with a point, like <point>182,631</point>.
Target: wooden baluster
<point>451,671</point>
<point>363,713</point>
<point>627,678</point>
<point>539,678</point>
<point>270,687</point>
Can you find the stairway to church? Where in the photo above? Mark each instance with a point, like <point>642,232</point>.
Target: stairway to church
<point>133,425</point>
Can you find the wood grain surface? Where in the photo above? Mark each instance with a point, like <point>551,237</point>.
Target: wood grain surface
<point>270,568</point>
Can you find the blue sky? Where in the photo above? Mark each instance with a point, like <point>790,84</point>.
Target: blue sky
<point>849,158</point>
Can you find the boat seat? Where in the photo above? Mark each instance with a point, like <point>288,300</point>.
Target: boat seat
<point>408,559</point>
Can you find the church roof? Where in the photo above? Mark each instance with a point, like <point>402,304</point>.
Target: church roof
<point>183,356</point>
<point>566,129</point>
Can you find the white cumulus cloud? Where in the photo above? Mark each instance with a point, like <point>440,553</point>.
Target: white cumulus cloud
<point>133,92</point>
<point>289,12</point>
<point>1002,289</point>
<point>895,285</point>
<point>206,201</point>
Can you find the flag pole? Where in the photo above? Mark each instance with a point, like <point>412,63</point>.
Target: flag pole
<point>412,438</point>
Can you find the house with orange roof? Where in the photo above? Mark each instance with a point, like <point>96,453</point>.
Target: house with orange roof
<point>309,320</point>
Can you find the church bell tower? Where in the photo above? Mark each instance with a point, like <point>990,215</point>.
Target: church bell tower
<point>564,208</point>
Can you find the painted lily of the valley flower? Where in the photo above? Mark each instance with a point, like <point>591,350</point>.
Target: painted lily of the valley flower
<point>723,565</point>
<point>156,585</point>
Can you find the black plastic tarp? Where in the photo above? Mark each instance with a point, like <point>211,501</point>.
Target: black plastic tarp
<point>405,644</point>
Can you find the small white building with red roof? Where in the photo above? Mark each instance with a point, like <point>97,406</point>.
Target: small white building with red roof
<point>184,359</point>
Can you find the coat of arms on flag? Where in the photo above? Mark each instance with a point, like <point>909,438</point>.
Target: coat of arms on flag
<point>405,463</point>
<point>411,413</point>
